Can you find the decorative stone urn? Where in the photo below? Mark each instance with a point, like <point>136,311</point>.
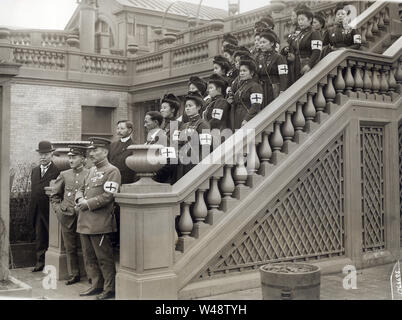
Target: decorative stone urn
<point>73,40</point>
<point>132,48</point>
<point>4,33</point>
<point>145,161</point>
<point>170,37</point>
<point>60,157</point>
<point>158,30</point>
<point>217,24</point>
<point>191,22</point>
<point>277,6</point>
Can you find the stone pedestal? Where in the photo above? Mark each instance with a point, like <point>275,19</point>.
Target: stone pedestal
<point>147,243</point>
<point>56,253</point>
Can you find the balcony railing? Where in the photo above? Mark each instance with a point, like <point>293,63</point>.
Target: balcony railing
<point>51,52</point>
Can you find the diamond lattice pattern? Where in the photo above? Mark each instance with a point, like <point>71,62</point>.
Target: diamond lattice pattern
<point>305,221</point>
<point>372,172</point>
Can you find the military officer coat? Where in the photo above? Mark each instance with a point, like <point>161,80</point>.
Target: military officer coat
<point>102,181</point>
<point>63,194</point>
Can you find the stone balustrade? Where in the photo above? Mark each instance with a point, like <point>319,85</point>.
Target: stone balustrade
<point>171,59</point>
<point>152,64</point>
<point>37,58</point>
<point>286,122</point>
<point>39,38</point>
<point>227,175</point>
<point>104,65</point>
<point>190,54</point>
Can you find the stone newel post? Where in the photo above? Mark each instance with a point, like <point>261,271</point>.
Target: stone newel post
<point>147,232</point>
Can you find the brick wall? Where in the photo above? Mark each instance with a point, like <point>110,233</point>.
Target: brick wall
<point>40,112</point>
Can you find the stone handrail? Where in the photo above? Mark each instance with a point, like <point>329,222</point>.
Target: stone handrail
<point>365,16</point>
<point>276,129</point>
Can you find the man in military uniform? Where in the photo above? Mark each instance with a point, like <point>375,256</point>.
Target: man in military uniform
<point>95,200</point>
<point>62,197</point>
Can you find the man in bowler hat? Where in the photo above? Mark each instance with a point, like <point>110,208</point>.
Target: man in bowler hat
<point>39,202</point>
<point>94,201</point>
<point>63,199</point>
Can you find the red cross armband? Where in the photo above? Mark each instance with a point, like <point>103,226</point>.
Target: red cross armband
<point>282,69</point>
<point>217,114</point>
<point>316,45</point>
<point>111,187</point>
<point>168,153</point>
<point>357,38</point>
<point>205,139</point>
<point>256,98</point>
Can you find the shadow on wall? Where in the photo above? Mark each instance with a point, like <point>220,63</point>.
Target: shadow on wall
<point>22,234</point>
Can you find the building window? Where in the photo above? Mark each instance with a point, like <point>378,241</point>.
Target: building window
<point>96,122</point>
<point>142,35</point>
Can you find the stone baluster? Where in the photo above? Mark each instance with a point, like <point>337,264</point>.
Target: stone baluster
<point>384,86</point>
<point>375,81</point>
<point>298,121</point>
<point>386,16</point>
<point>367,82</point>
<point>240,171</point>
<point>288,132</point>
<point>264,149</point>
<point>253,162</point>
<point>200,213</point>
<point>339,81</point>
<point>391,79</point>
<point>319,103</point>
<point>329,91</point>
<point>358,78</point>
<point>375,25</point>
<point>381,24</point>
<point>398,73</point>
<point>185,222</point>
<point>214,200</point>
<point>369,34</point>
<point>276,141</point>
<point>227,184</point>
<point>349,80</point>
<point>363,32</point>
<point>309,112</point>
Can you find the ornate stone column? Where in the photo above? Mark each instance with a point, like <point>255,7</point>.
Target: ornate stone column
<point>7,71</point>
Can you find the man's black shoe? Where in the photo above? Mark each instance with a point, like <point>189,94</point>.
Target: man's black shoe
<point>38,268</point>
<point>72,280</point>
<point>91,292</point>
<point>106,295</point>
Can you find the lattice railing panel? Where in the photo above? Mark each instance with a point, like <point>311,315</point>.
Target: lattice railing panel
<point>372,173</point>
<point>304,221</point>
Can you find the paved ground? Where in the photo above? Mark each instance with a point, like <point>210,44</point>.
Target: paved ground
<point>372,284</point>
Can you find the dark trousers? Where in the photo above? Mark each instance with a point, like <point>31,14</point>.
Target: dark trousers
<point>70,239</point>
<point>42,238</point>
<point>99,261</point>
